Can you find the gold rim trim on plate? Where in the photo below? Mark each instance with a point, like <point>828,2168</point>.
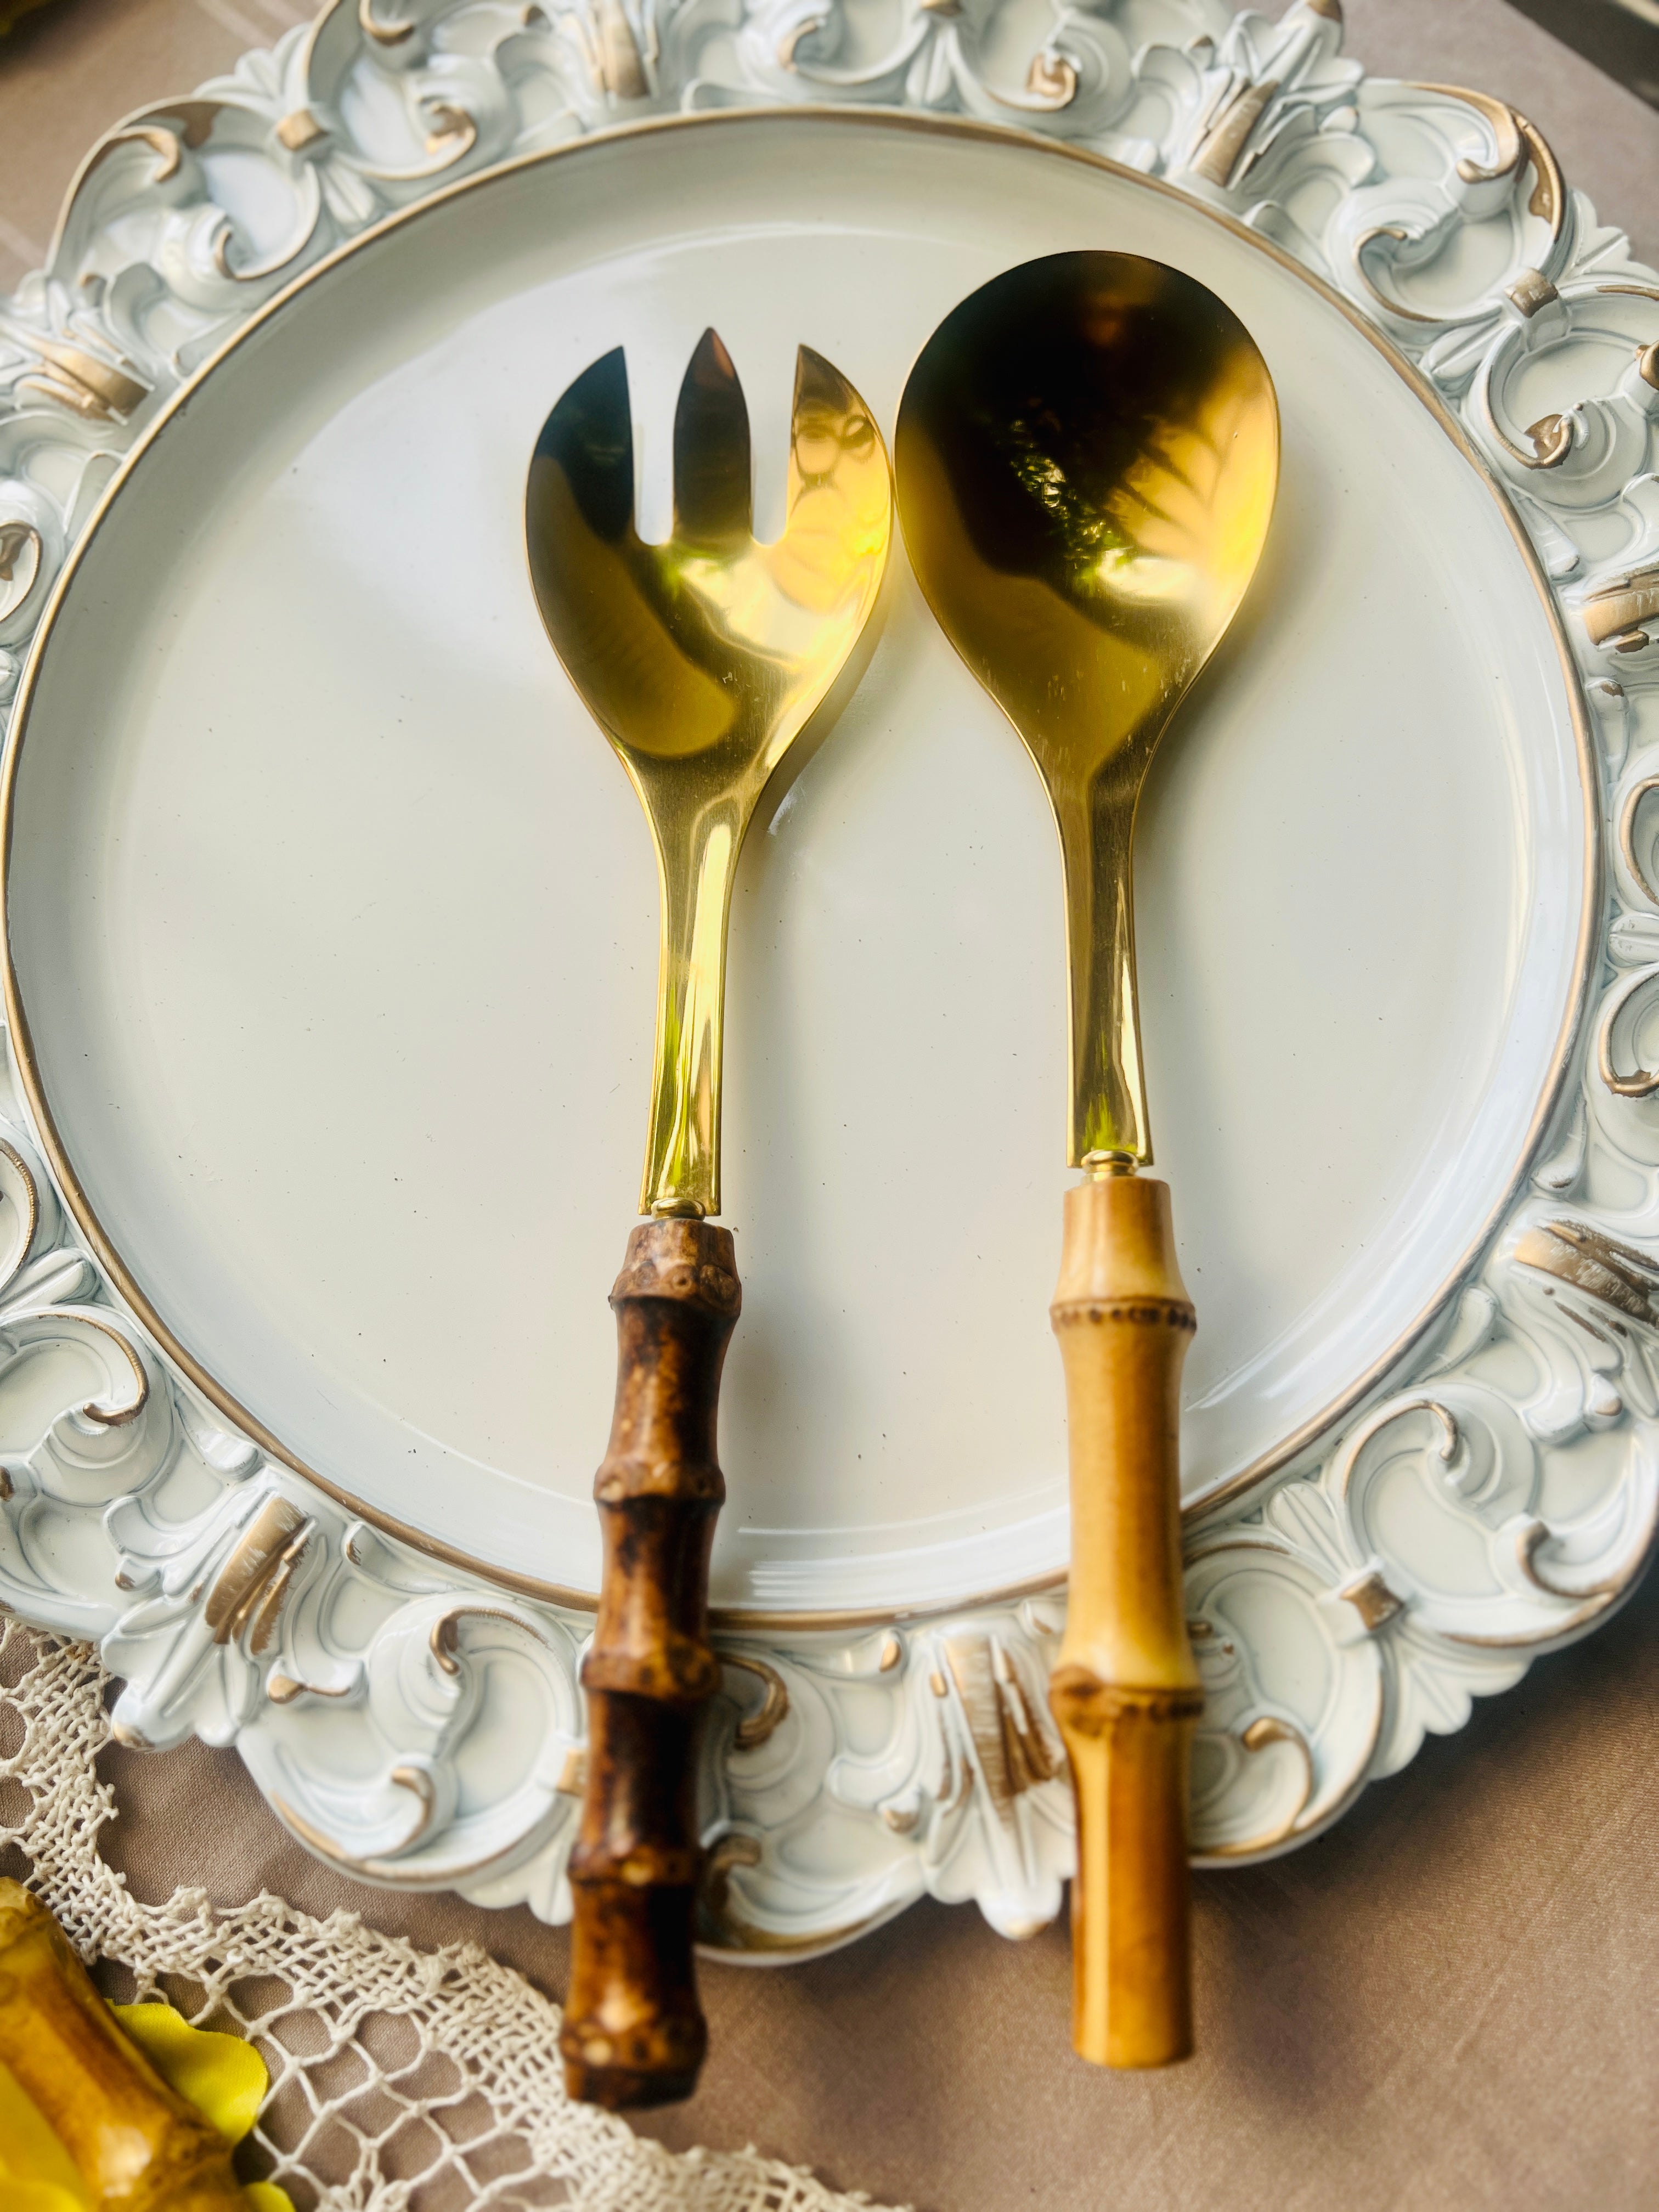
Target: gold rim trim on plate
<point>1004,137</point>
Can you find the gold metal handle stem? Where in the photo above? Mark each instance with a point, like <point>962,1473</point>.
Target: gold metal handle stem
<point>1125,1693</point>
<point>682,1157</point>
<point>1107,1103</point>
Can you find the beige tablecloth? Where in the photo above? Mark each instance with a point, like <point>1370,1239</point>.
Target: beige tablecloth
<point>1447,2002</point>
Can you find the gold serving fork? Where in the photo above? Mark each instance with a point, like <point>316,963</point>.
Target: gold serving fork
<point>702,659</point>
<point>1087,453</point>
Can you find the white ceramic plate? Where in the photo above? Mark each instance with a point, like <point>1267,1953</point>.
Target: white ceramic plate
<point>334,918</point>
<point>334,921</point>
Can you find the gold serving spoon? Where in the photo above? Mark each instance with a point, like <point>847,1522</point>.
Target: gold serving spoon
<point>1087,452</point>
<point>702,659</point>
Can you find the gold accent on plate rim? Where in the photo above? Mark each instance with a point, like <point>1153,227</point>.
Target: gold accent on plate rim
<point>1614,614</point>
<point>1531,290</point>
<point>740,1942</point>
<point>1229,128</point>
<point>284,1689</point>
<point>300,129</point>
<point>1597,1265</point>
<point>1642,1082</point>
<point>756,1729</point>
<point>97,389</point>
<point>28,1215</point>
<point>1627,814</point>
<point>1516,140</point>
<point>1004,138</point>
<point>246,1593</point>
<point>1371,1598</point>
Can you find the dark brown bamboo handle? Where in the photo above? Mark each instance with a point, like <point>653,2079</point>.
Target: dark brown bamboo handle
<point>634,2033</point>
<point>1126,1691</point>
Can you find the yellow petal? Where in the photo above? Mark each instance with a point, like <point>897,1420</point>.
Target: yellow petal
<point>266,2196</point>
<point>36,2173</point>
<point>220,2074</point>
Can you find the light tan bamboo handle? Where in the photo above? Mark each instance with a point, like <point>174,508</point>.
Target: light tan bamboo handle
<point>1126,1692</point>
<point>138,2144</point>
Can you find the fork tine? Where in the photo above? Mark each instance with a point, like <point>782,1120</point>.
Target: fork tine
<point>713,491</point>
<point>821,387</point>
<point>590,437</point>
<point>832,434</point>
<point>840,487</point>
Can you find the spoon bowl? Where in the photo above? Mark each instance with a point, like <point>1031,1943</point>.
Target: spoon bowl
<point>1087,453</point>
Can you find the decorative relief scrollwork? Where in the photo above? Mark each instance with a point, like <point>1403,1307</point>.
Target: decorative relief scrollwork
<point>1497,1499</point>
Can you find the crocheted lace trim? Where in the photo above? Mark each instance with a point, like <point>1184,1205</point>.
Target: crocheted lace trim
<point>401,2080</point>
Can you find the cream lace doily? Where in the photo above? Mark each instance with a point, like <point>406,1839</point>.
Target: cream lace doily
<point>401,2080</point>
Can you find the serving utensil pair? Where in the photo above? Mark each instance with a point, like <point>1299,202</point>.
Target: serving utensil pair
<point>1087,452</point>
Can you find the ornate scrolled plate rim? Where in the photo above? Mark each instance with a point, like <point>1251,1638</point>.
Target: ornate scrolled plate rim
<point>242,1601</point>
